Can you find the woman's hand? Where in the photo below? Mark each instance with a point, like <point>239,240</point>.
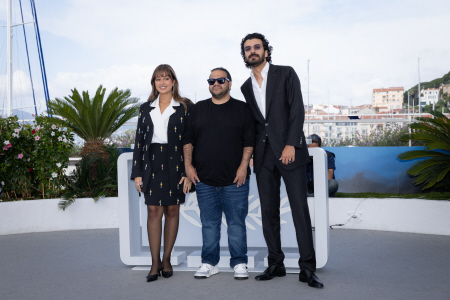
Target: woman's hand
<point>187,184</point>
<point>138,183</point>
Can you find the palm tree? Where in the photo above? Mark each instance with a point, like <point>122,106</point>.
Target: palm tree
<point>94,120</point>
<point>435,133</point>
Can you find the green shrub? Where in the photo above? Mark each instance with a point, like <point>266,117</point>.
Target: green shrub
<point>33,156</point>
<point>93,178</point>
<point>435,133</point>
<point>124,140</point>
<point>390,135</point>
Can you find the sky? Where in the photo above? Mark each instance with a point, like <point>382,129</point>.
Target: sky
<point>352,46</point>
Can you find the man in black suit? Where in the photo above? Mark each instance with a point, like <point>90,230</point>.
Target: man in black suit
<point>275,100</point>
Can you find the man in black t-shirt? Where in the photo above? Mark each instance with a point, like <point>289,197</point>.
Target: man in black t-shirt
<point>218,143</point>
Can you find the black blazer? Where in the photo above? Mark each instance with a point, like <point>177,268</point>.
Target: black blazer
<point>285,115</point>
<point>144,134</point>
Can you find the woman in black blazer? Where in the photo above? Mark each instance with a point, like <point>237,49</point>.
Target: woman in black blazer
<point>158,166</point>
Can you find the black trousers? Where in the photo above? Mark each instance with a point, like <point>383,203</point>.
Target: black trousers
<point>269,180</point>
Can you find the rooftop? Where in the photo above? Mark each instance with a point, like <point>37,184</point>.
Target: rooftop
<point>389,89</point>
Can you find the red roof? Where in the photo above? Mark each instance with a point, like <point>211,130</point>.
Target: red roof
<point>389,89</point>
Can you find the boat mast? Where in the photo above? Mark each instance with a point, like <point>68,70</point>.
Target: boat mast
<point>9,84</point>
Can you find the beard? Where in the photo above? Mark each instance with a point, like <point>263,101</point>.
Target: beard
<point>219,94</point>
<point>254,63</point>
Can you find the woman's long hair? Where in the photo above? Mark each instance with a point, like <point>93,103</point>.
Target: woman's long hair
<point>166,70</point>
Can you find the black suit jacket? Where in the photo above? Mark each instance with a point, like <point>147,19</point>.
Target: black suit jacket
<point>285,115</point>
<point>142,166</point>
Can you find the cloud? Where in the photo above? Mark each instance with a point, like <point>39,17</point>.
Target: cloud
<point>133,77</point>
<point>353,46</point>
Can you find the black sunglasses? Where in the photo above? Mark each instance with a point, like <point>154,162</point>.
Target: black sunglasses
<point>249,48</point>
<point>220,80</point>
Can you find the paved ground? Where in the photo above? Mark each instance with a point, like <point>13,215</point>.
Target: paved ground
<point>85,264</point>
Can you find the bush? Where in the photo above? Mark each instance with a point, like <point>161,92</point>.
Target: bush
<point>33,156</point>
<point>435,133</point>
<point>387,136</point>
<point>123,141</point>
<point>93,178</point>
<point>76,150</point>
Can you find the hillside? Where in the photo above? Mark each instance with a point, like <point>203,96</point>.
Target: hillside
<point>425,85</point>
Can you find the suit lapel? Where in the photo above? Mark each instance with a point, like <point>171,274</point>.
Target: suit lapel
<point>251,96</point>
<point>271,78</point>
<point>178,114</point>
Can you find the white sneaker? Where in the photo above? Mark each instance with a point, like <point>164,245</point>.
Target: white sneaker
<point>240,271</point>
<point>206,270</point>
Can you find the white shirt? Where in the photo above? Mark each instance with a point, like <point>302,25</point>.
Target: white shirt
<point>161,121</point>
<point>260,91</point>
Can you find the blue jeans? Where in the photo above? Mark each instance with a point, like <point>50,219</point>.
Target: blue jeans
<point>233,201</point>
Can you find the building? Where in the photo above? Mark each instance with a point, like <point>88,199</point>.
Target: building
<point>429,96</point>
<point>392,98</point>
<point>444,89</point>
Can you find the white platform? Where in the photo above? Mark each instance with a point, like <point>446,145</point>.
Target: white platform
<point>290,260</point>
<point>131,239</point>
<point>194,260</point>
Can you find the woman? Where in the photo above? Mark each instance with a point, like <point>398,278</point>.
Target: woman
<point>158,167</point>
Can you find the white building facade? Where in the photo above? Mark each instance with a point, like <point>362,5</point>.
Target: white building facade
<point>429,96</point>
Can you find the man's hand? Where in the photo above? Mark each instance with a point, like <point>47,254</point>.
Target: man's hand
<point>191,174</point>
<point>288,155</point>
<point>138,183</point>
<point>187,184</point>
<point>241,175</point>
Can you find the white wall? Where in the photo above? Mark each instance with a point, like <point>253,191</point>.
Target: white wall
<point>44,215</point>
<point>402,215</point>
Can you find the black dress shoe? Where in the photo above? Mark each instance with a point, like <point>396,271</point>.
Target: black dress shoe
<point>310,278</point>
<point>271,272</point>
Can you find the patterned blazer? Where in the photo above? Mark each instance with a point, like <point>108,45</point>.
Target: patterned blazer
<point>144,134</point>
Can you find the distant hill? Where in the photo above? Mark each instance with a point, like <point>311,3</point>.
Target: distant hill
<point>22,115</point>
<point>425,85</point>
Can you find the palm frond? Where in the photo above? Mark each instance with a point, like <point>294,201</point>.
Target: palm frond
<point>434,170</point>
<point>96,119</point>
<point>413,154</point>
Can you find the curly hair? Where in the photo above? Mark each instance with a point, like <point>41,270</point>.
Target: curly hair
<point>265,43</point>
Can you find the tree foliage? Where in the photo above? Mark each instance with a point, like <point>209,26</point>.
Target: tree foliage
<point>435,133</point>
<point>436,83</point>
<point>85,184</point>
<point>95,119</point>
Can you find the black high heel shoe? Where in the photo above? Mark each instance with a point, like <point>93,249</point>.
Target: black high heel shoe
<point>154,277</point>
<point>167,274</point>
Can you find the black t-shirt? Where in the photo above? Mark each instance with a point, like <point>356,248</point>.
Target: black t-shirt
<point>219,134</point>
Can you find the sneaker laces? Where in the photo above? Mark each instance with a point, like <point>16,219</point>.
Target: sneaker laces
<point>244,266</point>
<point>203,266</point>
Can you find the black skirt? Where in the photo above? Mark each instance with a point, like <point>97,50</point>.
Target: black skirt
<point>159,192</point>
